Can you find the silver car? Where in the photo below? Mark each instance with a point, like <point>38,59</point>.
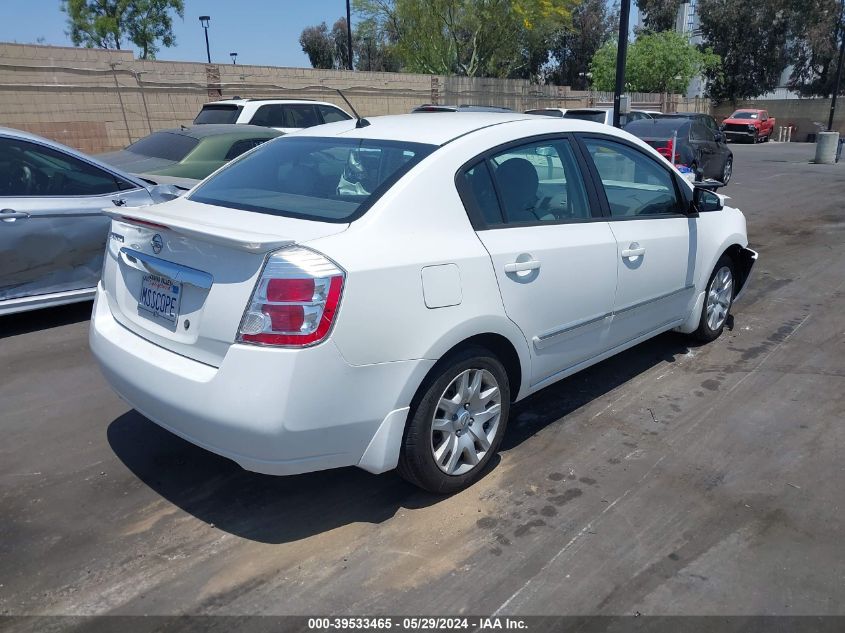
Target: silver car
<point>52,229</point>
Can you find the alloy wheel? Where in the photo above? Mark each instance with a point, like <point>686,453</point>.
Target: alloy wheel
<point>719,298</point>
<point>727,172</point>
<point>465,421</point>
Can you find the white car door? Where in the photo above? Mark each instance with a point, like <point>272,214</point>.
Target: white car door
<point>656,241</point>
<point>554,256</point>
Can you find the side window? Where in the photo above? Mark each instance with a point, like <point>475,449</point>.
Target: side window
<point>303,115</point>
<point>244,145</point>
<point>700,133</point>
<point>332,115</point>
<point>479,194</point>
<point>635,184</point>
<point>269,116</point>
<point>540,182</point>
<point>29,169</point>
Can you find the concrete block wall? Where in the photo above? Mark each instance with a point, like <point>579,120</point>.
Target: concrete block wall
<point>98,100</point>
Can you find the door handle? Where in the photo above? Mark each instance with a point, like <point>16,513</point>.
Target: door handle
<point>518,267</point>
<point>634,250</point>
<point>10,215</point>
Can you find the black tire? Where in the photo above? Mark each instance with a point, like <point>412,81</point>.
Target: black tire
<point>705,332</point>
<point>416,459</point>
<point>699,175</point>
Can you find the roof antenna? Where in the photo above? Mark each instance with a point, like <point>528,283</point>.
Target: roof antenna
<point>361,122</point>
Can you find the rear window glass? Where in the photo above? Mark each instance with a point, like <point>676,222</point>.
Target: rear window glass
<point>585,115</point>
<point>218,114</point>
<point>314,178</point>
<point>165,145</point>
<point>658,128</point>
<point>554,113</point>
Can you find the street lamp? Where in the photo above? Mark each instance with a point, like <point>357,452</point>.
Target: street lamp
<point>234,57</point>
<point>204,20</point>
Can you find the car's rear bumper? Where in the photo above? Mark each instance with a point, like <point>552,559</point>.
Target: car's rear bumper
<point>274,411</point>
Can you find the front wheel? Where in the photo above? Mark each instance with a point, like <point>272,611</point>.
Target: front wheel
<point>717,301</point>
<point>456,423</point>
<point>727,170</point>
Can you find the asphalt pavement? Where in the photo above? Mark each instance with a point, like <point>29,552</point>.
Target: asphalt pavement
<point>673,479</point>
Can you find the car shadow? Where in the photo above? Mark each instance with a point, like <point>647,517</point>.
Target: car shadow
<point>44,319</point>
<point>272,509</point>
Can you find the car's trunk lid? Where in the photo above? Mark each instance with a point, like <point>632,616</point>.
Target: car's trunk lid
<point>180,274</point>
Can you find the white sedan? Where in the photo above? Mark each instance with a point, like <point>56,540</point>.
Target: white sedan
<point>378,293</point>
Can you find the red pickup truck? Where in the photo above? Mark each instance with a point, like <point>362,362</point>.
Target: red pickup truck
<point>753,126</point>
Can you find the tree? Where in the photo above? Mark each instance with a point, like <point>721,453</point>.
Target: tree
<point>657,62</point>
<point>813,48</point>
<point>111,23</point>
<point>341,50</point>
<point>659,15</point>
<point>593,24</point>
<point>318,45</point>
<point>372,49</point>
<point>491,38</point>
<point>751,40</point>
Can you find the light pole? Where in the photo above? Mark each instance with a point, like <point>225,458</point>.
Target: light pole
<point>349,33</point>
<point>204,20</point>
<point>621,56</point>
<point>838,80</point>
<point>234,57</point>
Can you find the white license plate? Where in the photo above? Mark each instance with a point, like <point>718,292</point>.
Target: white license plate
<point>161,297</point>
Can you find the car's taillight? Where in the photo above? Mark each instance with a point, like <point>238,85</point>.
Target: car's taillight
<point>667,152</point>
<point>296,300</point>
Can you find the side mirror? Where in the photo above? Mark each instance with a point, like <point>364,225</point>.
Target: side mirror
<point>705,200</point>
<point>720,137</point>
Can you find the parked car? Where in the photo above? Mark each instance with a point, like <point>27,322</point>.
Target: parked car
<point>431,107</point>
<point>708,121</point>
<point>189,152</point>
<point>753,126</point>
<point>52,229</point>
<point>378,296</point>
<point>687,142</point>
<point>284,115</point>
<point>555,112</point>
<point>604,115</point>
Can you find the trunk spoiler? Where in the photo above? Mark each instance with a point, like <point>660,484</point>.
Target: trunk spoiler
<point>227,236</point>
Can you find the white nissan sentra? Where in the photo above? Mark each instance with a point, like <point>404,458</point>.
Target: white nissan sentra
<point>377,293</point>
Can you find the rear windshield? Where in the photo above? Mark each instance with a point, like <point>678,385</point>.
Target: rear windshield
<point>165,145</point>
<point>218,114</point>
<point>585,115</point>
<point>314,178</point>
<point>658,128</point>
<point>555,113</point>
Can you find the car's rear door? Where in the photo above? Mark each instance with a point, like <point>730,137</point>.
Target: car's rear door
<point>52,230</point>
<point>656,241</point>
<point>553,254</point>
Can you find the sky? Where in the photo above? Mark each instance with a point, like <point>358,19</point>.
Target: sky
<point>262,32</point>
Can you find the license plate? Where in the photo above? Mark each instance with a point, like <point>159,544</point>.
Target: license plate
<point>160,296</point>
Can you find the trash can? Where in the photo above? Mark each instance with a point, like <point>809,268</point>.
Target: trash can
<point>826,145</point>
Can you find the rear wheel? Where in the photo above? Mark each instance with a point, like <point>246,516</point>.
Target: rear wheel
<point>699,175</point>
<point>717,301</point>
<point>456,423</point>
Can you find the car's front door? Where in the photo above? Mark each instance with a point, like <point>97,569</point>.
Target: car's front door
<point>553,254</point>
<point>656,241</point>
<point>52,231</point>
